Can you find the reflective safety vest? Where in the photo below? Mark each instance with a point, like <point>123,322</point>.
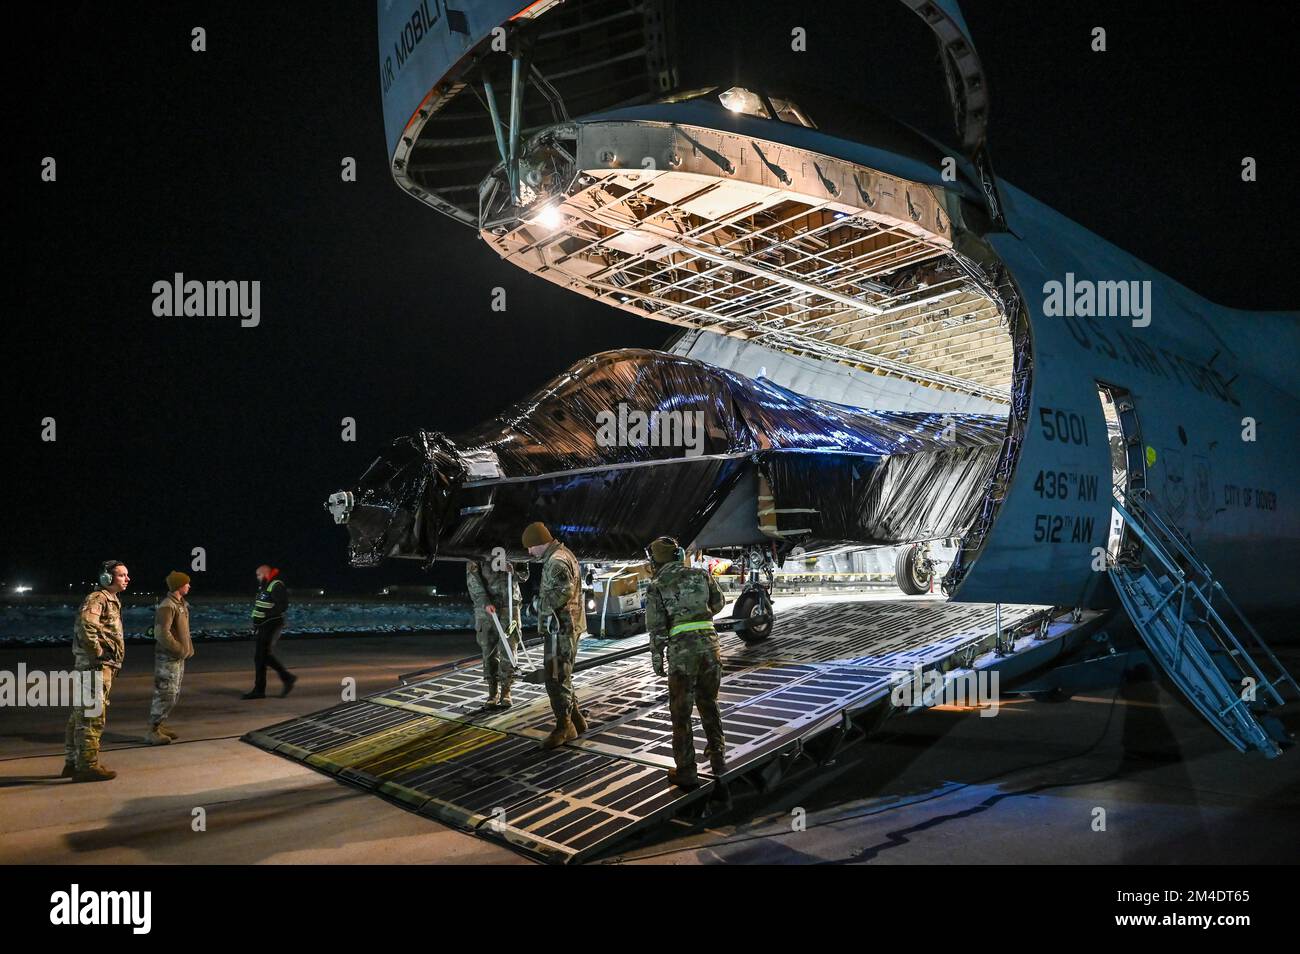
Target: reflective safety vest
<point>691,627</point>
<point>271,601</point>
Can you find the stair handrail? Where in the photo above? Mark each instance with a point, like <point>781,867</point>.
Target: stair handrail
<point>1140,512</point>
<point>1142,503</point>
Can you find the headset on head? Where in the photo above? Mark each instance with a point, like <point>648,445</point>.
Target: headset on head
<point>679,554</point>
<point>106,572</point>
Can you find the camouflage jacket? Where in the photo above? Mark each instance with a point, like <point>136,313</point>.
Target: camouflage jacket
<point>561,590</point>
<point>480,572</point>
<point>679,594</point>
<point>97,637</point>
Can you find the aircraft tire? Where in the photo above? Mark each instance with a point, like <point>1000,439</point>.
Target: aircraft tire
<point>911,579</point>
<point>749,606</point>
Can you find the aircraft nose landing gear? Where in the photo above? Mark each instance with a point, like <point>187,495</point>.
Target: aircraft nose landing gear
<point>753,609</point>
<point>751,614</point>
<point>914,571</point>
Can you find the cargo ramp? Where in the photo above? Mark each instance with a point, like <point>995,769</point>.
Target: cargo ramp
<point>822,680</point>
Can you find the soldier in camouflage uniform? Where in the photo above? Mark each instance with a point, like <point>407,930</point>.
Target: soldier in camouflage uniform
<point>98,646</point>
<point>487,589</point>
<point>679,607</point>
<point>561,594</point>
<point>172,646</point>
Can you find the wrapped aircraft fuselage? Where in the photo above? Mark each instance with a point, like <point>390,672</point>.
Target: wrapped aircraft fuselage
<point>630,444</point>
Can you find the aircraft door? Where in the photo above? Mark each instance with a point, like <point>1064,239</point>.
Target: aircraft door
<point>1128,460</point>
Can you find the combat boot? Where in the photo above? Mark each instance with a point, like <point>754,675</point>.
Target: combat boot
<point>69,770</point>
<point>504,701</point>
<point>717,761</point>
<point>93,773</point>
<point>579,723</point>
<point>162,727</point>
<point>155,737</point>
<point>564,732</point>
<point>683,779</point>
<point>492,699</point>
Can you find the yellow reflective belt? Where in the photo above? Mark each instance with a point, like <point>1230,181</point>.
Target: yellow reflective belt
<point>691,627</point>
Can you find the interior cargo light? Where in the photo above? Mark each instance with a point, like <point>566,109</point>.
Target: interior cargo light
<point>549,217</point>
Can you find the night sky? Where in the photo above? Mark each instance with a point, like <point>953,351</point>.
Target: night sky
<point>183,432</point>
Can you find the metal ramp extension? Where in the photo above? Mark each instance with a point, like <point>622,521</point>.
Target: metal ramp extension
<point>788,704</point>
<point>1170,596</point>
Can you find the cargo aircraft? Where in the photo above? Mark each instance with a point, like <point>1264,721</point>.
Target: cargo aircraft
<point>878,342</point>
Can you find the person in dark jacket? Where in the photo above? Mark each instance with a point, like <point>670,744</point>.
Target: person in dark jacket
<point>268,623</point>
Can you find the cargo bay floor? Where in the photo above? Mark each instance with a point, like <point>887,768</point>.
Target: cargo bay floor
<point>936,787</point>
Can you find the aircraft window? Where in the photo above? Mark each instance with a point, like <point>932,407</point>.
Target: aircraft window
<point>687,94</point>
<point>789,112</point>
<point>741,100</point>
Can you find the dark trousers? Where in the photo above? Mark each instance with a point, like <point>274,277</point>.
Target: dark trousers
<point>265,635</point>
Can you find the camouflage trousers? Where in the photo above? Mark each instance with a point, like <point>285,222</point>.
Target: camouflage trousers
<point>83,732</point>
<point>694,675</point>
<point>167,676</point>
<point>561,650</point>
<point>497,670</point>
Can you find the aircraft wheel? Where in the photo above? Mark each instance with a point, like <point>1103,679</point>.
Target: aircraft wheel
<point>748,606</point>
<point>912,576</point>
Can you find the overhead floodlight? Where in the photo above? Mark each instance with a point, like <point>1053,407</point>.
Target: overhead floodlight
<point>549,217</point>
<point>741,100</point>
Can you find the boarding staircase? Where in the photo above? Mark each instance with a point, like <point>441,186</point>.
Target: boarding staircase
<point>1190,627</point>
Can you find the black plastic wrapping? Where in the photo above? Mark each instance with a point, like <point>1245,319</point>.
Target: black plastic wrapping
<point>872,477</point>
<point>903,498</point>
